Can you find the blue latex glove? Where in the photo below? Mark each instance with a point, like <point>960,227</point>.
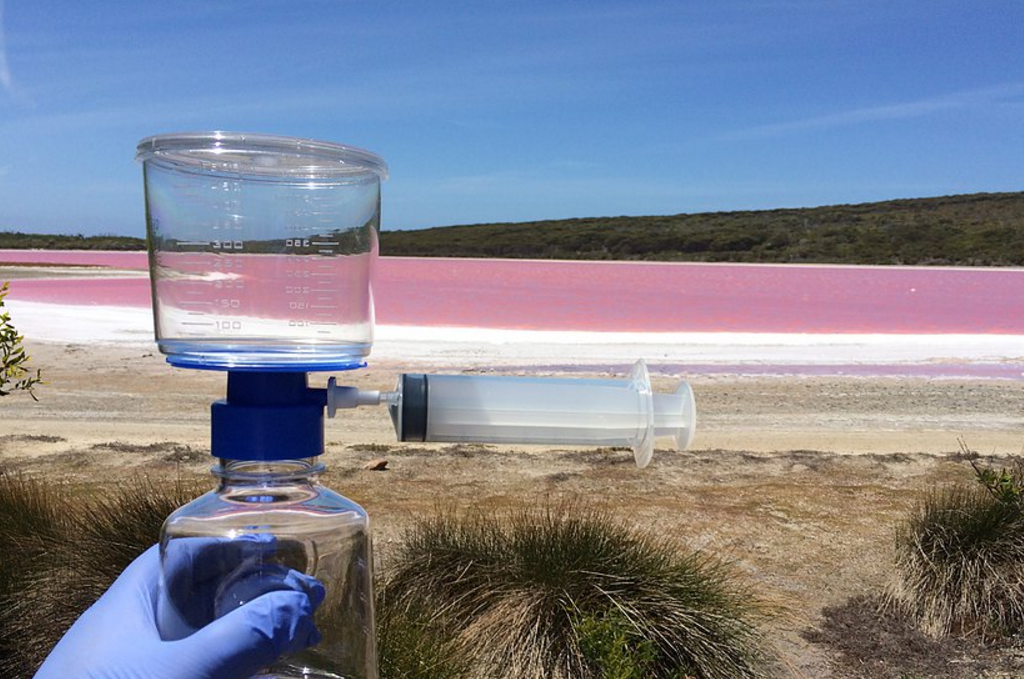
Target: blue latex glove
<point>117,638</point>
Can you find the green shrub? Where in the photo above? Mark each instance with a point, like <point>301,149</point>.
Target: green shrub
<point>612,646</point>
<point>1006,486</point>
<point>14,372</point>
<point>563,591</point>
<point>960,558</point>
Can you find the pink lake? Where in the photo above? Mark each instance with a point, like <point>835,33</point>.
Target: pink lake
<point>625,296</point>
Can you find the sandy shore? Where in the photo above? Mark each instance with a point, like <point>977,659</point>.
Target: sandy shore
<point>127,387</point>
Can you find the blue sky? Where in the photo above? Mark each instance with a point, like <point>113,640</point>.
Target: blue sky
<point>512,111</point>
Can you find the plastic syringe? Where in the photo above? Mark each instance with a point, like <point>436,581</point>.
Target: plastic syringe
<point>536,410</point>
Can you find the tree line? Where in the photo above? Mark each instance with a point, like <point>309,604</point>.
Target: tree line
<point>984,229</point>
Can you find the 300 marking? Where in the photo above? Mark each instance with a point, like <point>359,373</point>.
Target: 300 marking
<point>227,244</point>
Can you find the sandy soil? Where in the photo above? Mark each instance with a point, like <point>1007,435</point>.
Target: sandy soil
<point>799,480</point>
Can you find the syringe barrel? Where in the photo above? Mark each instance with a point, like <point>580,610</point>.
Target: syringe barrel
<point>542,410</point>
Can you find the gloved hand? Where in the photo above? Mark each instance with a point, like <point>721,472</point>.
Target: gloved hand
<point>206,578</point>
<point>117,638</point>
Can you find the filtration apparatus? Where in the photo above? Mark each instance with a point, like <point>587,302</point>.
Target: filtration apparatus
<point>261,253</point>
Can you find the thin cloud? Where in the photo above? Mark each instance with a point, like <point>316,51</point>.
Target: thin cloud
<point>6,81</point>
<point>997,95</point>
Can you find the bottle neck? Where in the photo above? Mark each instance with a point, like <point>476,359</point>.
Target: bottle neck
<point>261,473</point>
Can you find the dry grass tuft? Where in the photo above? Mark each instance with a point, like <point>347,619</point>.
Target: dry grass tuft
<point>62,551</point>
<point>524,595</point>
<point>960,564</point>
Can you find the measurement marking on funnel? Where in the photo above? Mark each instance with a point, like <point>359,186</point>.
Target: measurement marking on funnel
<point>195,303</point>
<point>323,290</point>
<point>194,242</point>
<point>325,252</point>
<point>323,306</point>
<point>319,242</point>
<point>195,323</point>
<point>327,275</point>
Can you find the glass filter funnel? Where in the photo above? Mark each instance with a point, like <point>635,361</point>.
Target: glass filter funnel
<point>261,249</point>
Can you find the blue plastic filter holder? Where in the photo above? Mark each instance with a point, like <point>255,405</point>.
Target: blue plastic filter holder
<point>268,416</point>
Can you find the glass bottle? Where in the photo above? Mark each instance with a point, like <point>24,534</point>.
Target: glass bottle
<point>269,515</point>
